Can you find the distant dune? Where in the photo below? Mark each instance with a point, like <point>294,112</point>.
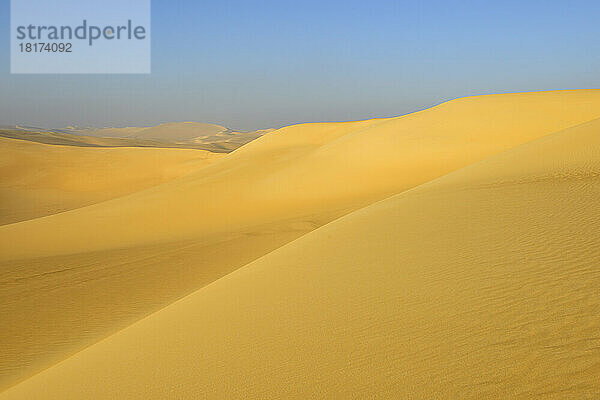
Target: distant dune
<point>449,253</point>
<point>207,136</point>
<point>187,135</point>
<point>177,131</point>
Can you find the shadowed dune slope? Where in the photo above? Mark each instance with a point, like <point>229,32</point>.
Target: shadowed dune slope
<point>481,284</point>
<point>38,179</point>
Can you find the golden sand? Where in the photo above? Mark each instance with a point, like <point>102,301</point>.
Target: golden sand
<point>466,266</point>
<point>39,179</point>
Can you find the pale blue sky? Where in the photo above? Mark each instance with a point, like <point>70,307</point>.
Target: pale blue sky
<point>253,64</point>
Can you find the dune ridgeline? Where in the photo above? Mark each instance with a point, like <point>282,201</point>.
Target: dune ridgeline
<point>449,253</point>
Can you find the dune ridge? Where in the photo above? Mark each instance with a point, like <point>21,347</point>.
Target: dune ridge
<point>39,179</point>
<point>289,172</point>
<point>288,183</point>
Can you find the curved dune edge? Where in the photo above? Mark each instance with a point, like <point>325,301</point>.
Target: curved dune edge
<point>286,174</point>
<point>306,170</point>
<point>38,179</point>
<point>480,284</point>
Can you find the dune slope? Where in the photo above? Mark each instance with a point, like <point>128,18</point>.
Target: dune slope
<point>70,279</point>
<point>308,170</point>
<point>38,180</point>
<point>480,284</point>
<point>221,142</point>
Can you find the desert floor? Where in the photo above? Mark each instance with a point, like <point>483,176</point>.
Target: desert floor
<point>449,253</point>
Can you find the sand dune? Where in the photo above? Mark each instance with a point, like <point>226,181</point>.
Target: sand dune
<point>309,169</point>
<point>228,141</point>
<point>223,141</point>
<point>39,180</point>
<point>481,284</point>
<point>174,131</point>
<point>403,296</point>
<point>210,137</point>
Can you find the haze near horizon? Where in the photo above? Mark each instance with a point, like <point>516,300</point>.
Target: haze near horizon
<point>250,66</point>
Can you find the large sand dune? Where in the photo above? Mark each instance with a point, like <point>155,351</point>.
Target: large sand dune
<point>477,284</point>
<point>307,170</point>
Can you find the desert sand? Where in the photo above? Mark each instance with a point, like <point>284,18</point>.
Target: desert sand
<point>186,135</point>
<point>174,131</point>
<point>39,180</point>
<point>448,253</point>
<point>215,138</point>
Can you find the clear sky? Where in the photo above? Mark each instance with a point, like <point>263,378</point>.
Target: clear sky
<point>256,64</point>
